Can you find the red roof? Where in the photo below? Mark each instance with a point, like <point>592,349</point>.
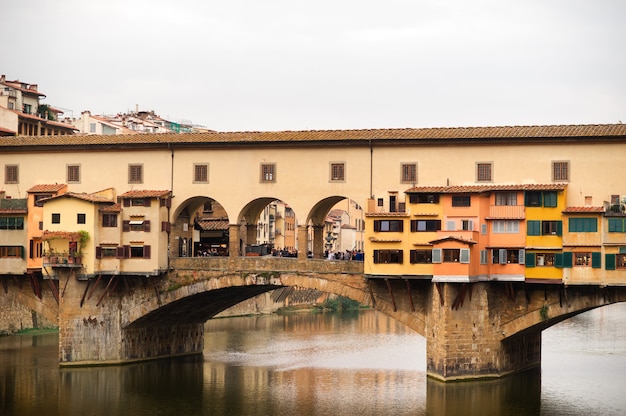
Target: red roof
<point>46,188</point>
<point>583,210</point>
<point>485,188</point>
<point>145,194</point>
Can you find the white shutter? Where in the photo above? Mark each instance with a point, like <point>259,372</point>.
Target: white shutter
<point>436,255</point>
<point>465,255</point>
<point>502,255</point>
<point>522,256</point>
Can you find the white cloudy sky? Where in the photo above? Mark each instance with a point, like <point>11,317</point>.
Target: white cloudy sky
<point>238,65</point>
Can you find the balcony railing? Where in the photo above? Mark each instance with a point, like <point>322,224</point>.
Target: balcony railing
<point>63,260</point>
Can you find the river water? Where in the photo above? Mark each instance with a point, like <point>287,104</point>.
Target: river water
<point>321,364</point>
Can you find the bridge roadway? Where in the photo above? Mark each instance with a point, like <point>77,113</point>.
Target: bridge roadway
<point>473,330</point>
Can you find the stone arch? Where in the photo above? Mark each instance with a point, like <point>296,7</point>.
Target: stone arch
<point>210,221</point>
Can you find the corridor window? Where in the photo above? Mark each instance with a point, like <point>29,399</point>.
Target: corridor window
<point>424,198</point>
<point>11,174</point>
<point>560,171</point>
<point>200,173</point>
<point>483,171</point>
<point>389,225</point>
<point>388,256</point>
<point>408,173</point>
<point>135,173</point>
<point>268,172</point>
<point>337,172</point>
<point>73,173</point>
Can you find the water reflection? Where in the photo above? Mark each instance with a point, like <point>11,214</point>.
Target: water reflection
<point>366,364</point>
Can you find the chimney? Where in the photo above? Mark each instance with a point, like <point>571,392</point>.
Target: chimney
<point>32,87</point>
<point>3,78</point>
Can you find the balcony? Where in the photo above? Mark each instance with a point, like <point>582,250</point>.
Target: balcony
<point>507,212</point>
<point>615,210</point>
<point>63,260</point>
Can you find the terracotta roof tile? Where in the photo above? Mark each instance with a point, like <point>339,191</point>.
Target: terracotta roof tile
<point>83,196</point>
<point>514,133</point>
<point>213,224</point>
<point>583,210</point>
<point>138,193</point>
<point>111,208</point>
<point>47,188</point>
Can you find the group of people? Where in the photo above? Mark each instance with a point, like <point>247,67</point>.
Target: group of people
<point>356,255</point>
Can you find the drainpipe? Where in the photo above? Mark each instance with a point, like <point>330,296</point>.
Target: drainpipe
<point>371,168</point>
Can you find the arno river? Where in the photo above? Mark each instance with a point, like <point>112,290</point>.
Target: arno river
<point>327,364</point>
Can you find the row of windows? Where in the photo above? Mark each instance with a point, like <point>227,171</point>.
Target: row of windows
<point>123,252</point>
<point>546,199</point>
<point>408,172</point>
<point>11,223</point>
<point>504,256</point>
<point>533,227</point>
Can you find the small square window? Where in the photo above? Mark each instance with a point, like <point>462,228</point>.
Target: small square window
<point>408,173</point>
<point>11,174</point>
<point>200,173</point>
<point>268,172</point>
<point>81,218</point>
<point>73,173</point>
<point>135,173</point>
<point>56,218</point>
<point>484,172</point>
<point>560,171</point>
<point>337,172</point>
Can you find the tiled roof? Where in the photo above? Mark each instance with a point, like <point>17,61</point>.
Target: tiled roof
<point>583,210</point>
<point>484,188</point>
<point>111,208</point>
<point>386,214</point>
<point>212,224</point>
<point>13,206</point>
<point>452,238</point>
<point>83,196</point>
<point>479,134</point>
<point>56,187</point>
<point>144,194</point>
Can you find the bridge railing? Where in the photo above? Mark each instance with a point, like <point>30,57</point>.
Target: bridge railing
<point>267,264</point>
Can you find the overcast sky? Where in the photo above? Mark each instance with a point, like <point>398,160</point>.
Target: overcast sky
<point>271,65</point>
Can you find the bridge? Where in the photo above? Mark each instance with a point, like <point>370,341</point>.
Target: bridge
<point>148,298</point>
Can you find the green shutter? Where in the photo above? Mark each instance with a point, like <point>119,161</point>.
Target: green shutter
<point>559,228</point>
<point>568,259</point>
<point>530,259</point>
<point>596,260</point>
<point>609,261</point>
<point>23,252</point>
<point>549,199</point>
<point>533,227</point>
<point>558,260</point>
<point>615,225</point>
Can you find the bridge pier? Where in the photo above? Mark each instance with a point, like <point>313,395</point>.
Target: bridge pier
<point>465,339</point>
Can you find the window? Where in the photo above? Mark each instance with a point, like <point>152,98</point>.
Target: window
<point>582,259</point>
<point>506,198</point>
<point>11,251</point>
<point>380,202</point>
<point>11,174</point>
<point>424,198</point>
<point>11,223</point>
<point>421,256</point>
<point>617,225</point>
<point>620,261</point>
<point>545,260</point>
<point>483,172</point>
<point>207,208</point>
<point>505,227</point>
<point>135,173</point>
<point>508,256</point>
<point>461,200</point>
<point>81,218</point>
<point>583,225</point>
<point>337,172</point>
<point>136,225</point>
<point>200,173</point>
<point>389,225</point>
<point>56,218</point>
<point>388,256</point>
<point>467,225</point>
<point>268,172</point>
<point>451,255</point>
<point>560,171</point>
<point>408,173</point>
<point>425,225</point>
<point>138,252</point>
<point>108,252</point>
<point>551,227</point>
<point>109,220</point>
<point>92,127</point>
<point>537,199</point>
<point>27,108</point>
<point>73,173</point>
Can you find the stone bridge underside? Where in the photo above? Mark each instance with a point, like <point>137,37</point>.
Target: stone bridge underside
<point>476,330</point>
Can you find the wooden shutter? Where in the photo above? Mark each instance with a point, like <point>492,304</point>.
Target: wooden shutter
<point>98,252</point>
<point>568,259</point>
<point>610,261</point>
<point>436,255</point>
<point>120,252</point>
<point>464,255</point>
<point>146,252</point>
<point>522,256</point>
<point>530,259</point>
<point>125,226</point>
<point>596,260</point>
<point>146,226</point>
